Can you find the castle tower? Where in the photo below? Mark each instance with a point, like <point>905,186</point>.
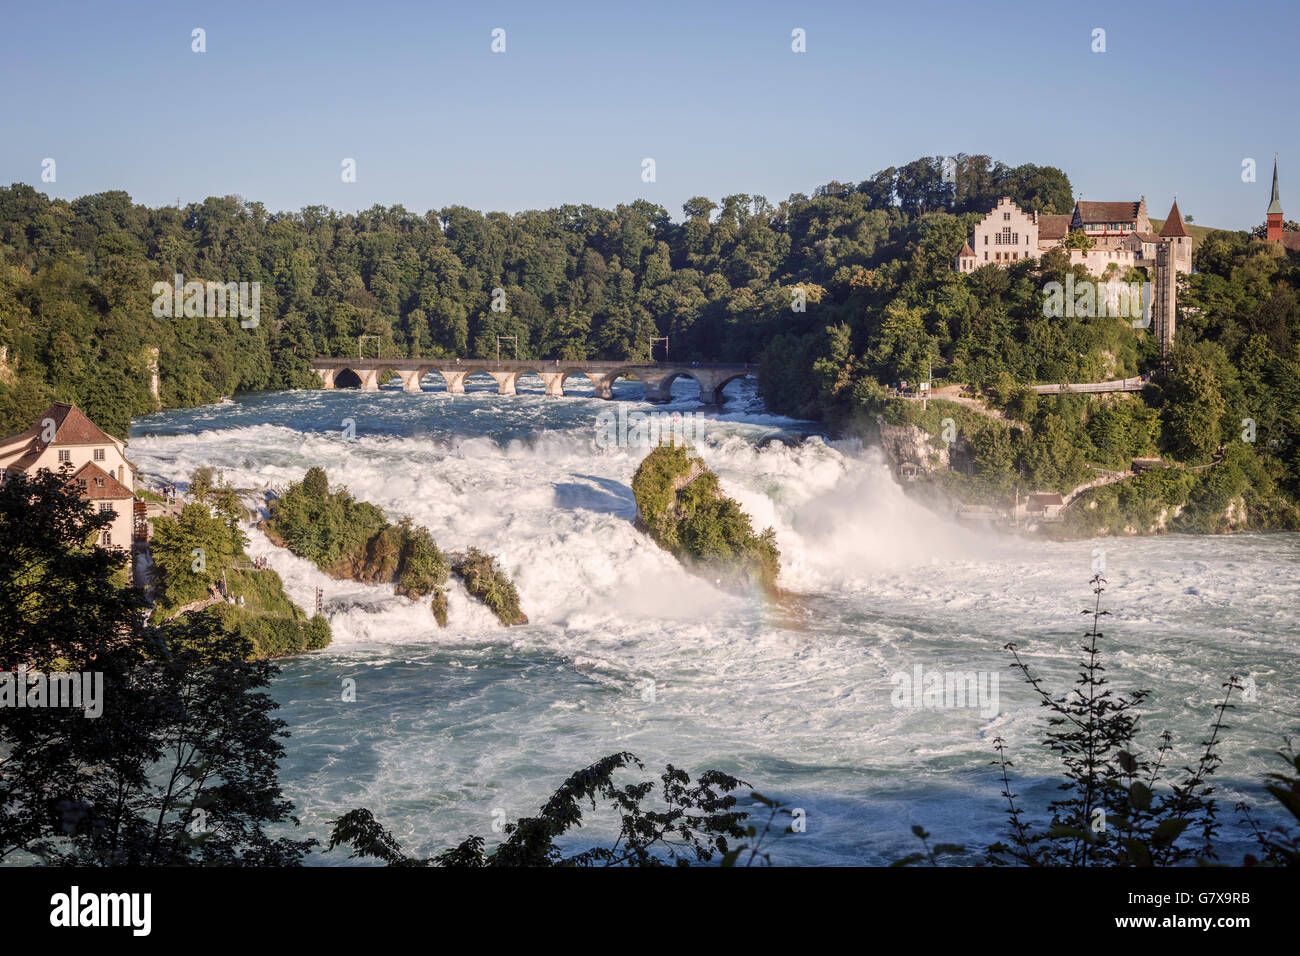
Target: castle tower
<point>1275,211</point>
<point>1175,233</point>
<point>1164,294</point>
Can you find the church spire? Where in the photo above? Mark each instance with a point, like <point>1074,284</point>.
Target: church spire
<point>1276,205</point>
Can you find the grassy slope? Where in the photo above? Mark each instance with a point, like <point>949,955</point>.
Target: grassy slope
<point>1198,232</point>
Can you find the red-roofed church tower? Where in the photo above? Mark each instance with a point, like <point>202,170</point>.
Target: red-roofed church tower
<point>1275,211</point>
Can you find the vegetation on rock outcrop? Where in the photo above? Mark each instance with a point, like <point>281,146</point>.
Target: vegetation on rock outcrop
<point>680,505</point>
<point>201,550</point>
<point>352,539</point>
<point>485,580</point>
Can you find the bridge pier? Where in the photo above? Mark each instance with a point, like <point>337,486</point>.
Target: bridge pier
<point>658,388</point>
<point>326,377</point>
<point>554,382</point>
<point>411,379</point>
<point>505,382</point>
<point>455,380</point>
<point>711,385</point>
<point>370,380</point>
<point>602,384</point>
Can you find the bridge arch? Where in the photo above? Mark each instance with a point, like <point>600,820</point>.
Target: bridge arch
<point>733,377</point>
<point>347,378</point>
<point>479,377</point>
<point>385,374</point>
<point>532,377</point>
<point>667,381</point>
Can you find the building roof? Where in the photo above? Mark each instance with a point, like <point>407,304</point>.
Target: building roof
<point>1108,211</point>
<point>1276,205</point>
<point>966,252</point>
<point>111,488</point>
<point>1148,236</point>
<point>1291,241</point>
<point>1053,227</point>
<point>1173,227</point>
<point>1043,500</point>
<point>71,427</point>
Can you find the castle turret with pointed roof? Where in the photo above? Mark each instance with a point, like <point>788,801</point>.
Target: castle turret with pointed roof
<point>1174,232</point>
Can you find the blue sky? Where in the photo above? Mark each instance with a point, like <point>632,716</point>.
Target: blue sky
<point>712,92</point>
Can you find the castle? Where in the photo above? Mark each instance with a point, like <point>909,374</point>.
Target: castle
<point>1120,232</point>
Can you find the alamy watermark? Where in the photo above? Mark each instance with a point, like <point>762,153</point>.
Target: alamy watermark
<point>1089,299</point>
<point>626,429</point>
<point>210,300</point>
<point>946,690</point>
<point>23,688</point>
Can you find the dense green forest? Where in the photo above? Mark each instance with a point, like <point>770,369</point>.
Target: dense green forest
<point>836,294</point>
<point>579,282</point>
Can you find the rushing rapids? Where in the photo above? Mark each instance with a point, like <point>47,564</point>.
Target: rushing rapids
<point>627,650</point>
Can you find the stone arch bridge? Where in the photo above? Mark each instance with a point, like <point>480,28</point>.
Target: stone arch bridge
<point>369,374</point>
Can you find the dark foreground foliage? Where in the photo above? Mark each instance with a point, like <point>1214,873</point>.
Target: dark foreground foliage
<point>695,823</point>
<point>1122,806</point>
<point>179,767</point>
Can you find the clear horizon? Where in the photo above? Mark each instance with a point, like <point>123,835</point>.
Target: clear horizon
<point>1183,94</point>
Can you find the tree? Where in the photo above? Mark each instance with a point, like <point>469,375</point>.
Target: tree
<point>178,767</point>
<point>202,481</point>
<point>1194,406</point>
<point>1078,239</point>
<point>190,552</point>
<point>315,485</point>
<point>1111,811</point>
<point>694,825</point>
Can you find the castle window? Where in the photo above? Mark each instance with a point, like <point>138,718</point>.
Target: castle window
<point>106,538</point>
<point>99,454</point>
<point>65,455</point>
<point>1006,216</point>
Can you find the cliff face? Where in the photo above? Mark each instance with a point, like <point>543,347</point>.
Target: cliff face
<point>913,444</point>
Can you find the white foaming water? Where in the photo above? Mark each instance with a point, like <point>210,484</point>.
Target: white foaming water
<point>628,651</point>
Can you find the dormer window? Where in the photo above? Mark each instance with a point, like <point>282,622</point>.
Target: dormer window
<point>99,482</point>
